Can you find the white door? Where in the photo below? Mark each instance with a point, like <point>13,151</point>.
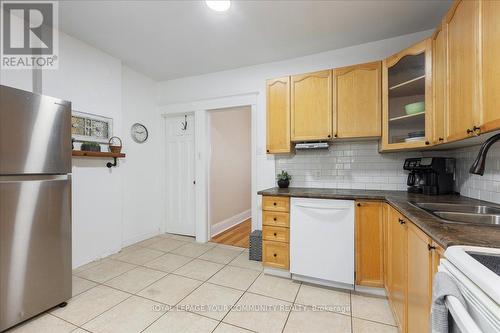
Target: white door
<point>180,178</point>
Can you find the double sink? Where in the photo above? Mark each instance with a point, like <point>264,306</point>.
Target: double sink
<point>462,213</point>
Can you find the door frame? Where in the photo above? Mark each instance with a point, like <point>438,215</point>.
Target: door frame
<point>200,111</point>
<point>165,117</point>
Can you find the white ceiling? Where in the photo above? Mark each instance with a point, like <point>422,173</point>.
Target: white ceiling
<point>172,39</point>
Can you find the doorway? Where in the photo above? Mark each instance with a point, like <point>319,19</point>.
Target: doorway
<point>230,175</point>
<point>180,175</point>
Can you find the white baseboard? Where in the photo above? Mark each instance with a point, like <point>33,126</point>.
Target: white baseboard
<point>230,222</point>
<point>140,238</point>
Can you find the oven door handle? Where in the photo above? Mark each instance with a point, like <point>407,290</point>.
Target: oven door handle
<point>461,316</point>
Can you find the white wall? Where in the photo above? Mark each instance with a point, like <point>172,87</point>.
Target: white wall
<point>230,181</point>
<point>252,79</point>
<point>111,207</point>
<point>142,204</point>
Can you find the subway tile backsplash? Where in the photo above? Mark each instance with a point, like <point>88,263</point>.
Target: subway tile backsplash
<point>358,165</point>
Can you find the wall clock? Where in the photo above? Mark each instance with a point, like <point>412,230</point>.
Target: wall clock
<point>139,133</point>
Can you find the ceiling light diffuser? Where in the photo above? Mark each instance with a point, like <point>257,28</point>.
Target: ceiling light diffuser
<point>218,5</point>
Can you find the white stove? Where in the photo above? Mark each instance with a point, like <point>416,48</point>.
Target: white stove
<point>476,271</point>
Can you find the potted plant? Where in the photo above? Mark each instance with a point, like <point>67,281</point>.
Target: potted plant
<point>90,146</point>
<point>283,179</point>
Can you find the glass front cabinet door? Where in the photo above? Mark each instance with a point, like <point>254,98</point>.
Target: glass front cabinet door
<point>407,98</point>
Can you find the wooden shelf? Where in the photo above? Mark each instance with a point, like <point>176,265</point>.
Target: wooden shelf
<point>408,116</point>
<point>79,153</point>
<point>415,86</point>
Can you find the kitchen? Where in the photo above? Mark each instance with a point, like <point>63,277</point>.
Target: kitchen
<point>350,98</point>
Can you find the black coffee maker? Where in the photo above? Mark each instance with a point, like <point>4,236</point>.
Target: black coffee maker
<point>430,175</point>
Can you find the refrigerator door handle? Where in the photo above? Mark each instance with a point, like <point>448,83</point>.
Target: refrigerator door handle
<point>17,178</point>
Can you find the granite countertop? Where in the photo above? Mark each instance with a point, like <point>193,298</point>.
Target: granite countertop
<point>445,234</point>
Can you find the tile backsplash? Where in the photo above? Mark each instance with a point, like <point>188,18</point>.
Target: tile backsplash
<point>358,165</point>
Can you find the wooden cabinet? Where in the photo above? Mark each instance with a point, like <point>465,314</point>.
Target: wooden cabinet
<point>419,279</point>
<point>278,115</point>
<point>439,84</point>
<point>461,24</point>
<point>357,100</point>
<point>406,80</point>
<point>397,262</point>
<point>369,244</point>
<point>437,254</point>
<point>311,106</point>
<point>385,230</point>
<point>276,232</point>
<point>490,52</point>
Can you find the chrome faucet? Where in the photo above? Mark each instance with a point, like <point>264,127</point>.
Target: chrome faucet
<point>478,165</point>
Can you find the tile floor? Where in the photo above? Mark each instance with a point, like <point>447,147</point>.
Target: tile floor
<point>170,283</point>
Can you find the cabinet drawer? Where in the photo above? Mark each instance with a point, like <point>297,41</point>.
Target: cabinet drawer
<point>275,219</point>
<point>277,234</point>
<point>277,204</point>
<point>275,254</point>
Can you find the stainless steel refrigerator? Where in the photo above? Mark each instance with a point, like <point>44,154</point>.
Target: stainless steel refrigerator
<point>35,204</point>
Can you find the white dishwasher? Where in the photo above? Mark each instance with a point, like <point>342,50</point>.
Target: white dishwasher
<point>322,241</point>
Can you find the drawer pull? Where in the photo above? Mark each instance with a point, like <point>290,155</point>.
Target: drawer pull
<point>275,219</point>
<point>275,255</point>
<point>274,203</point>
<point>275,234</point>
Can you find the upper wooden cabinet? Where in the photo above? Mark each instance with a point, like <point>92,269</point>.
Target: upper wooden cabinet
<point>407,79</point>
<point>439,77</point>
<point>490,51</point>
<point>278,115</point>
<point>461,24</point>
<point>311,106</point>
<point>369,244</point>
<point>357,100</point>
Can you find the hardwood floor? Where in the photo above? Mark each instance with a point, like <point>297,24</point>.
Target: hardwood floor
<point>236,236</point>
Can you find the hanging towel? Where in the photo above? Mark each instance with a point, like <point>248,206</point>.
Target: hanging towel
<point>443,287</point>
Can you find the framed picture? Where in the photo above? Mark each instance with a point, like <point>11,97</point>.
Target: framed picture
<point>90,127</point>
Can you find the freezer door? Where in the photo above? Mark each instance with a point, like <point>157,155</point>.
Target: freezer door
<point>35,133</point>
<point>35,245</point>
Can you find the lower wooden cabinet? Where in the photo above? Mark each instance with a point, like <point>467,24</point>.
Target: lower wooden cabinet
<point>419,279</point>
<point>276,254</point>
<point>276,232</point>
<point>369,244</point>
<point>397,262</point>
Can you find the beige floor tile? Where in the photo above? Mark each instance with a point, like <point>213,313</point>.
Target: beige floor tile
<point>150,241</point>
<point>168,262</point>
<point>193,250</point>
<point>106,271</point>
<point>139,255</point>
<point>372,308</point>
<point>166,244</point>
<point>182,322</point>
<point>226,328</point>
<point>317,321</point>
<point>170,289</point>
<point>135,280</point>
<point>182,238</point>
<point>79,330</point>
<point>235,277</point>
<point>127,249</point>
<point>211,300</point>
<point>243,261</point>
<point>231,247</point>
<point>44,323</point>
<point>131,316</point>
<point>90,304</point>
<point>89,265</point>
<point>365,326</point>
<point>199,269</point>
<point>325,299</point>
<point>80,285</point>
<point>220,254</point>
<point>276,287</point>
<point>259,313</point>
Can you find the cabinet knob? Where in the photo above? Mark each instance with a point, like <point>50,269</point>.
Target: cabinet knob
<point>401,221</point>
<point>274,219</point>
<point>441,139</point>
<point>329,136</point>
<point>274,203</point>
<point>469,131</point>
<point>335,135</point>
<point>275,255</point>
<point>477,130</point>
<point>358,204</point>
<point>430,247</point>
<point>267,150</point>
<point>275,234</point>
<point>427,143</point>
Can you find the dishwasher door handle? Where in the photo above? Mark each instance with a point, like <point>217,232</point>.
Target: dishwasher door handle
<point>321,207</point>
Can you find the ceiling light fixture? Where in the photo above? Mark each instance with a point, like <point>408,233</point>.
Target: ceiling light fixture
<point>218,5</point>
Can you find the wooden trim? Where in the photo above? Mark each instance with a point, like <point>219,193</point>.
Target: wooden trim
<point>415,49</point>
<point>80,153</point>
